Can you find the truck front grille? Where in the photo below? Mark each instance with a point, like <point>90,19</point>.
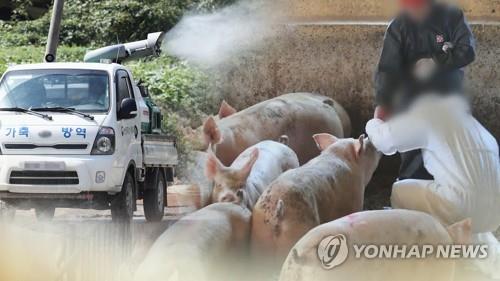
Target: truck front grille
<point>44,177</point>
<point>34,146</point>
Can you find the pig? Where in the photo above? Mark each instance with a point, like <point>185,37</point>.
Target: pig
<point>328,187</point>
<point>204,245</point>
<point>313,255</point>
<point>196,139</point>
<point>250,173</point>
<point>297,115</point>
<point>226,110</point>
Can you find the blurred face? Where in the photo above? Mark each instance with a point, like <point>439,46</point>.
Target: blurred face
<point>415,9</point>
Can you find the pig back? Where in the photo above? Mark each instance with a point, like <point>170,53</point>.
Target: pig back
<point>196,246</point>
<point>391,227</point>
<point>274,159</point>
<point>301,199</point>
<point>297,115</point>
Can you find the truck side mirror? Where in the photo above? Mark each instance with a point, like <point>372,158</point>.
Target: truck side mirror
<point>128,109</point>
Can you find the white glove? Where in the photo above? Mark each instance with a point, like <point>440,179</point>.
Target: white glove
<point>424,69</point>
<point>447,46</point>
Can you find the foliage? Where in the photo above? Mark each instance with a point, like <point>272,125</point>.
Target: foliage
<point>179,88</point>
<point>181,91</point>
<point>102,22</point>
<point>31,54</point>
<point>21,8</point>
<point>211,5</point>
<point>169,80</point>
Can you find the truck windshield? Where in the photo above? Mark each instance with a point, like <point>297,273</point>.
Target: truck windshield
<point>82,90</point>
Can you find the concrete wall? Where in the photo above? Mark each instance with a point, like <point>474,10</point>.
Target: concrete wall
<point>378,9</point>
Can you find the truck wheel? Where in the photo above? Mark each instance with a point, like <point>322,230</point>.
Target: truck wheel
<point>154,195</point>
<point>45,213</point>
<point>122,205</point>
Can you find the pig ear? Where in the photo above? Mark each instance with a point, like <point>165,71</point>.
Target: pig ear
<point>213,166</point>
<point>226,110</point>
<point>461,232</point>
<point>284,140</point>
<point>323,141</point>
<point>360,145</point>
<point>211,131</point>
<point>245,171</point>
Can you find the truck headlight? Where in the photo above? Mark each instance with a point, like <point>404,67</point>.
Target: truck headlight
<point>104,143</point>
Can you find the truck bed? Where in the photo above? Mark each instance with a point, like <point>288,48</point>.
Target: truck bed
<point>159,150</point>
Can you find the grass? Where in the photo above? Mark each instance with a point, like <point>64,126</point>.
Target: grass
<point>35,54</point>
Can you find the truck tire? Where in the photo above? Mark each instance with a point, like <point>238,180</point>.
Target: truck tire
<point>123,203</point>
<point>154,195</point>
<point>45,212</point>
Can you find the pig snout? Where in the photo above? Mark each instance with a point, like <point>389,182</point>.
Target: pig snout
<point>231,197</point>
<point>228,198</point>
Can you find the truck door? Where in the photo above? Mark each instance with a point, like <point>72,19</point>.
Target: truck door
<point>128,143</point>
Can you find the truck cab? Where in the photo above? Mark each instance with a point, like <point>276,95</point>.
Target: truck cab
<point>82,135</point>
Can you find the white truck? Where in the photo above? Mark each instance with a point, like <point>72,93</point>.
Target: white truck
<point>84,135</point>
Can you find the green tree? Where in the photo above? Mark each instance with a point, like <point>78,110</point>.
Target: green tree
<point>101,22</point>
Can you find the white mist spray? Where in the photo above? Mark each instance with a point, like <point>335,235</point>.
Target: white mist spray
<point>211,38</point>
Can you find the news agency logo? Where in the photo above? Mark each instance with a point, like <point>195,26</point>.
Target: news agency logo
<point>333,251</point>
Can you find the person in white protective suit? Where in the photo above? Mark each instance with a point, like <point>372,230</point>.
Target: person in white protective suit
<point>459,152</point>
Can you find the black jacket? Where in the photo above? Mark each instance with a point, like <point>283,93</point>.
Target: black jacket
<point>406,42</point>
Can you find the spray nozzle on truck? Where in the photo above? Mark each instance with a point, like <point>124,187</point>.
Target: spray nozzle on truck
<point>128,51</point>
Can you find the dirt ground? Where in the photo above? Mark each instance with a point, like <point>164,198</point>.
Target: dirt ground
<point>89,246</point>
